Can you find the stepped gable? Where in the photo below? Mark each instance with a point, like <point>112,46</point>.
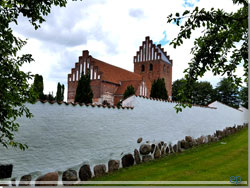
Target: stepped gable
<point>148,51</point>
<point>115,74</point>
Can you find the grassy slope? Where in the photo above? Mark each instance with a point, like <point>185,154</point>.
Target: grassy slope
<point>209,162</point>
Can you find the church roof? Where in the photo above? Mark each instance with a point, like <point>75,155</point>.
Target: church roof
<point>115,74</point>
<point>125,84</point>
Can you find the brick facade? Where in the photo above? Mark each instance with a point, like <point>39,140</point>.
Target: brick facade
<point>109,82</point>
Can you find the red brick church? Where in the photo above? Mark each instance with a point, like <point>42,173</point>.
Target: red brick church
<point>109,82</point>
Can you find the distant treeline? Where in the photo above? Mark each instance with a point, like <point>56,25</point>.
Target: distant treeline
<point>203,93</point>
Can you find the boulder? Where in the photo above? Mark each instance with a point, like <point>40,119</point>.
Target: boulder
<point>167,150</point>
<point>162,151</point>
<point>175,148</point>
<point>170,148</point>
<point>127,160</point>
<point>25,180</point>
<point>99,170</point>
<point>113,165</point>
<point>188,138</point>
<point>159,145</point>
<point>146,158</point>
<point>152,148</point>
<point>200,140</point>
<point>69,175</point>
<point>137,156</point>
<point>157,153</point>
<point>139,140</point>
<point>85,173</point>
<point>145,149</point>
<point>5,170</point>
<point>52,176</point>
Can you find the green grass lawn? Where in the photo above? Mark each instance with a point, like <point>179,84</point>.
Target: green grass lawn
<point>216,161</point>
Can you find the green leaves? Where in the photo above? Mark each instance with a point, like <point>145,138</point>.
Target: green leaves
<point>84,93</point>
<point>223,33</point>
<point>15,90</point>
<point>128,92</point>
<point>158,89</point>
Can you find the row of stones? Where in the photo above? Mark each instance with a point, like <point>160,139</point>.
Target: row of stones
<point>163,100</point>
<point>146,152</point>
<point>83,104</point>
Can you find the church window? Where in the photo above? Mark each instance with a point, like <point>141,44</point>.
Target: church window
<point>142,68</point>
<point>95,75</point>
<point>76,75</point>
<point>73,77</point>
<point>164,68</point>
<point>84,68</point>
<point>151,67</point>
<point>70,79</point>
<point>91,73</point>
<point>99,77</point>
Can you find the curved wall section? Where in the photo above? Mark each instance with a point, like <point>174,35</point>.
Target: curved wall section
<point>63,136</point>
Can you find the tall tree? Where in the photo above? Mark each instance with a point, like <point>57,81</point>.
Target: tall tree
<point>227,93</point>
<point>37,86</point>
<point>14,85</point>
<point>216,50</point>
<point>62,94</point>
<point>58,92</point>
<point>84,93</point>
<point>128,92</point>
<point>243,95</point>
<point>158,89</point>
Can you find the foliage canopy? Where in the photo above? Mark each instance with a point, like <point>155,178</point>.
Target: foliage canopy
<point>158,89</point>
<point>84,93</point>
<point>14,85</point>
<point>223,46</point>
<point>128,92</point>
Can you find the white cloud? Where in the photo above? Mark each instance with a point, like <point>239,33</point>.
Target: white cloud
<point>112,30</point>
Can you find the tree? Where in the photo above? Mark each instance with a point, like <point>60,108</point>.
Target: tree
<point>223,46</point>
<point>158,89</point>
<point>37,87</point>
<point>84,93</point>
<point>243,95</point>
<point>60,92</point>
<point>202,92</point>
<point>14,85</point>
<point>128,92</point>
<point>227,93</point>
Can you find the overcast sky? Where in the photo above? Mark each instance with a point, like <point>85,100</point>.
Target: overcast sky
<point>112,31</point>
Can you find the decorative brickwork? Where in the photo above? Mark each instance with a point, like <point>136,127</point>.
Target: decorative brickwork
<point>109,82</point>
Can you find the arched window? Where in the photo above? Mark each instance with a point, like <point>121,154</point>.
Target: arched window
<point>151,67</point>
<point>142,68</point>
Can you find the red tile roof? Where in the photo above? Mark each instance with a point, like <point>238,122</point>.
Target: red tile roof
<point>115,74</point>
<point>125,84</point>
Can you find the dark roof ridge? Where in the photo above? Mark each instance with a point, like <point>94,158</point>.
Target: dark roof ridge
<point>83,104</point>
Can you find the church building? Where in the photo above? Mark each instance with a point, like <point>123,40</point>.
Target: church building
<point>109,82</point>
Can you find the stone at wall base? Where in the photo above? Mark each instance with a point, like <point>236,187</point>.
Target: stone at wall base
<point>127,160</point>
<point>85,173</point>
<point>99,170</point>
<point>113,165</point>
<point>5,170</point>
<point>69,175</point>
<point>52,176</point>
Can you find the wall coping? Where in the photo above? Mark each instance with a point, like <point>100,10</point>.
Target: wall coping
<point>83,104</point>
<point>170,101</point>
